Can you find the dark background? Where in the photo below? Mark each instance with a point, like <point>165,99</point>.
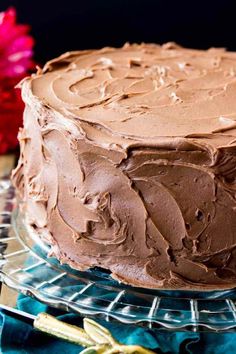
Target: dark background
<point>59,26</point>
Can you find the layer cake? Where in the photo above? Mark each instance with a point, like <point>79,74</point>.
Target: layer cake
<point>128,162</point>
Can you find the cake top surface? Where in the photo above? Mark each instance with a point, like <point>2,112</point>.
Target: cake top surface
<point>145,91</point>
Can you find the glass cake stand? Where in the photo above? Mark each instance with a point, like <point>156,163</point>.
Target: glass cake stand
<point>24,266</point>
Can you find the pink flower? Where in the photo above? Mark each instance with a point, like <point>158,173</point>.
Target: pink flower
<point>15,46</point>
<point>15,61</point>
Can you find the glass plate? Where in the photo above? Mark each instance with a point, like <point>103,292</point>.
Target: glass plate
<point>24,266</point>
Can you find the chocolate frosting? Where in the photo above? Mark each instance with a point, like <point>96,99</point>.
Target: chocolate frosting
<point>128,162</point>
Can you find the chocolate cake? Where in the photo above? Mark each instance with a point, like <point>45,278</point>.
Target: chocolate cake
<point>128,162</point>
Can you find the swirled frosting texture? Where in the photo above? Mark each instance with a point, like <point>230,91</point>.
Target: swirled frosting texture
<point>128,162</point>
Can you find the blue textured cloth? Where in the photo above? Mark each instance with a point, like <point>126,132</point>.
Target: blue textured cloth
<point>18,337</point>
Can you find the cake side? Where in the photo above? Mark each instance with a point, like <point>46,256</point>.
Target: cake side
<point>128,161</point>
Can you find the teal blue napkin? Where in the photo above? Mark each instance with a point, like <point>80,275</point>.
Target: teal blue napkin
<point>17,337</point>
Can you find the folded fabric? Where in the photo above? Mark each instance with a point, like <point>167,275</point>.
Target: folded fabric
<point>18,337</point>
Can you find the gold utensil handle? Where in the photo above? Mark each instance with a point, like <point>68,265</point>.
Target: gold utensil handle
<point>50,325</point>
<point>94,337</point>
